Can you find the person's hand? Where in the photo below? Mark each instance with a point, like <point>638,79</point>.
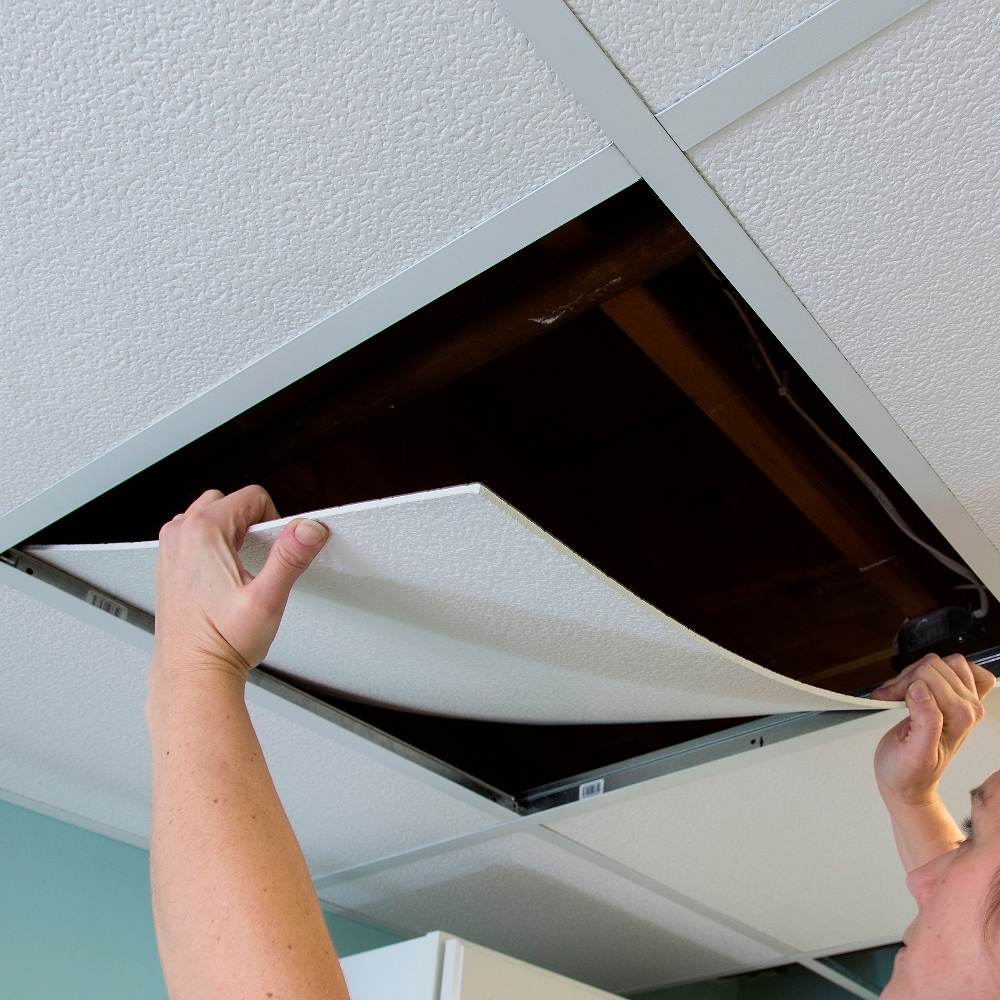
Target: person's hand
<point>944,697</point>
<point>210,612</point>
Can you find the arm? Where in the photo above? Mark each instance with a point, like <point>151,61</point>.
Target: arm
<point>234,907</point>
<point>944,698</point>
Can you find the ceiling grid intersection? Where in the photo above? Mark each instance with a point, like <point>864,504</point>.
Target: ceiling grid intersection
<point>610,98</point>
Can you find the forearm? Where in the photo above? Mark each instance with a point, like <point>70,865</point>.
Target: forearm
<point>924,828</point>
<point>235,911</point>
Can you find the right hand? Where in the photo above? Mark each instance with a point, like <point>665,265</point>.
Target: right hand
<point>210,612</point>
<point>944,697</point>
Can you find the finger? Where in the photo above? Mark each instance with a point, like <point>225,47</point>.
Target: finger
<point>958,705</point>
<point>887,692</point>
<point>963,671</point>
<point>952,674</point>
<point>985,679</point>
<point>960,708</point>
<point>895,688</point>
<point>209,496</point>
<point>926,719</point>
<point>236,513</point>
<point>923,729</point>
<point>294,549</point>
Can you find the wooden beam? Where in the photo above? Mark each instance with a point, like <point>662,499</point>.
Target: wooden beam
<point>565,289</point>
<point>665,340</point>
<point>839,669</point>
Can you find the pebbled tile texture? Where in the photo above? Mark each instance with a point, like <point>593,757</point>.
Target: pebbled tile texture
<point>533,900</point>
<point>667,48</point>
<point>184,187</point>
<point>874,188</point>
<point>73,736</point>
<point>451,602</point>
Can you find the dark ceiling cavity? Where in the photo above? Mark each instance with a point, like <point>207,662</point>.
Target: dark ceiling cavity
<point>603,383</point>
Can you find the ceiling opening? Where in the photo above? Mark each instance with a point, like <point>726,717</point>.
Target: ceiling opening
<point>610,385</point>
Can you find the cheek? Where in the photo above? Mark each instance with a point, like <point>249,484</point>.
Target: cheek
<point>947,957</point>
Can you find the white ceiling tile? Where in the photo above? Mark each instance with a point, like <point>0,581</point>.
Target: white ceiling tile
<point>347,809</point>
<point>530,899</point>
<point>670,47</point>
<point>792,840</point>
<point>451,602</point>
<point>873,188</point>
<point>72,723</point>
<point>73,738</point>
<point>187,187</point>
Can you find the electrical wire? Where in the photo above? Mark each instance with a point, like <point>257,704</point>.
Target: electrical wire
<point>781,380</point>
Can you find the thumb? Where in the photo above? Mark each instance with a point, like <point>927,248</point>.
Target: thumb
<point>294,549</point>
<point>926,717</point>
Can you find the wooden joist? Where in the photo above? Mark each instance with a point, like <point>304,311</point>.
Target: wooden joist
<point>666,341</point>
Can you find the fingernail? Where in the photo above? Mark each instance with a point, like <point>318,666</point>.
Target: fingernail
<point>920,691</point>
<point>310,533</point>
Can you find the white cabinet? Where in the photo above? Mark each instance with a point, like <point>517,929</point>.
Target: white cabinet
<point>441,967</point>
<point>410,970</point>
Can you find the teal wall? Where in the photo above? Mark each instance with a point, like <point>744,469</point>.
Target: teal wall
<point>75,918</point>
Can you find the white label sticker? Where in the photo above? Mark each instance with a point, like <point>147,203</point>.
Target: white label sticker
<point>591,788</point>
<point>105,603</point>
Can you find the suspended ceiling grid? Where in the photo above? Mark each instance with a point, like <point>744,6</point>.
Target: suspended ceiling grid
<point>874,188</point>
<point>66,424</point>
<point>671,48</point>
<point>747,844</point>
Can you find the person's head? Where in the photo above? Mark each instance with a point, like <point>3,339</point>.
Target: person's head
<point>952,949</point>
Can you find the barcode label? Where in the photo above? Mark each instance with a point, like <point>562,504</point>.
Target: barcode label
<point>591,788</point>
<point>105,603</point>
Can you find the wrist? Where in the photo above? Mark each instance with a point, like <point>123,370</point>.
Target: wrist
<point>911,797</point>
<point>178,661</point>
<point>172,678</point>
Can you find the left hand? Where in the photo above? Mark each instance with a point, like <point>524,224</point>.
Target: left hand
<point>944,698</point>
<point>210,612</point>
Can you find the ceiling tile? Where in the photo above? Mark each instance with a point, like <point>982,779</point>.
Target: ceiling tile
<point>530,899</point>
<point>451,602</point>
<point>792,840</point>
<point>349,810</point>
<point>873,188</point>
<point>72,723</point>
<point>187,187</point>
<point>73,737</point>
<point>668,49</point>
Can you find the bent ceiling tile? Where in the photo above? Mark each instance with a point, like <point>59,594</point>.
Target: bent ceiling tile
<point>451,602</point>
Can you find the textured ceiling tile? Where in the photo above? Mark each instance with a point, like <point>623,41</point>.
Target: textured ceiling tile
<point>73,736</point>
<point>72,723</point>
<point>795,843</point>
<point>187,186</point>
<point>874,188</point>
<point>347,809</point>
<point>532,900</point>
<point>451,602</point>
<point>670,47</point>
